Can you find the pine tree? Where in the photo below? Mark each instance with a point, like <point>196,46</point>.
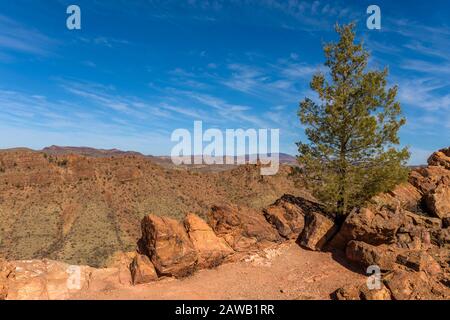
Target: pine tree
<point>352,153</point>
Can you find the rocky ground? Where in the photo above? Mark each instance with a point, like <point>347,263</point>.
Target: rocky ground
<point>291,249</point>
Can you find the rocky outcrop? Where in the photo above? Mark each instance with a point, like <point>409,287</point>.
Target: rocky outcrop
<point>405,285</point>
<point>168,246</point>
<point>438,200</point>
<point>367,255</point>
<point>374,226</point>
<point>440,158</point>
<point>287,215</point>
<point>142,270</point>
<point>242,228</point>
<point>419,261</point>
<point>406,234</point>
<point>211,249</point>
<point>318,231</point>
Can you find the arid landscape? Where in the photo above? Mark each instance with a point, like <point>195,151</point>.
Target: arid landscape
<point>259,151</point>
<point>235,246</point>
<point>55,204</point>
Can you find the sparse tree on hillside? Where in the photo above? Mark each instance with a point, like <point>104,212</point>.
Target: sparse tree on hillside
<point>352,153</point>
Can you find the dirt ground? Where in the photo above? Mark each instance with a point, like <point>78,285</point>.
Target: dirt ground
<point>284,272</point>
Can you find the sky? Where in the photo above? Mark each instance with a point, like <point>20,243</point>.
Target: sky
<point>138,70</point>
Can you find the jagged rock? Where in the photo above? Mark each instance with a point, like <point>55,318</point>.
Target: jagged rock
<point>6,272</point>
<point>405,196</point>
<point>414,237</point>
<point>318,231</point>
<point>438,200</point>
<point>427,179</point>
<point>287,215</point>
<point>375,294</point>
<point>374,226</point>
<point>440,158</point>
<point>423,221</point>
<point>242,228</point>
<point>419,261</point>
<point>142,270</point>
<point>168,245</point>
<point>440,237</point>
<point>348,292</point>
<point>367,255</point>
<point>211,249</point>
<point>405,285</point>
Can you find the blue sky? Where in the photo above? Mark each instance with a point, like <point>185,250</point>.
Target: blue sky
<point>140,69</point>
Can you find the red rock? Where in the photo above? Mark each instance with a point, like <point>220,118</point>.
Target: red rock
<point>367,255</point>
<point>169,247</point>
<point>405,196</point>
<point>142,270</point>
<point>242,228</point>
<point>438,200</point>
<point>374,226</point>
<point>318,231</point>
<point>405,285</point>
<point>419,261</point>
<point>427,179</point>
<point>287,215</point>
<point>375,294</point>
<point>440,158</point>
<point>211,249</point>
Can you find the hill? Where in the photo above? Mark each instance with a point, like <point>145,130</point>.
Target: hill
<point>55,203</point>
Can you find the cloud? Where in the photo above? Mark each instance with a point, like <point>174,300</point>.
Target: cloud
<point>19,38</point>
<point>424,93</point>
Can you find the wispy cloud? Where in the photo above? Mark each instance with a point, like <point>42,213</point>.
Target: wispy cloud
<point>17,37</point>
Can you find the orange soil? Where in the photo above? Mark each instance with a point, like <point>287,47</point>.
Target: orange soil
<point>286,272</point>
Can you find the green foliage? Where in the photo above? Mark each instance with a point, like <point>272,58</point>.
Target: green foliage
<point>353,131</point>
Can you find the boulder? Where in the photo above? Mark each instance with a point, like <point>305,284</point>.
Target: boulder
<point>427,179</point>
<point>405,195</point>
<point>419,261</point>
<point>414,237</point>
<point>168,246</point>
<point>318,230</point>
<point>287,215</point>
<point>375,294</point>
<point>440,158</point>
<point>142,270</point>
<point>211,249</point>
<point>441,237</point>
<point>367,255</point>
<point>405,285</point>
<point>375,226</point>
<point>242,228</point>
<point>348,292</point>
<point>438,200</point>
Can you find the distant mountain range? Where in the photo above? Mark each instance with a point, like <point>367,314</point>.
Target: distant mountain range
<point>105,153</point>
